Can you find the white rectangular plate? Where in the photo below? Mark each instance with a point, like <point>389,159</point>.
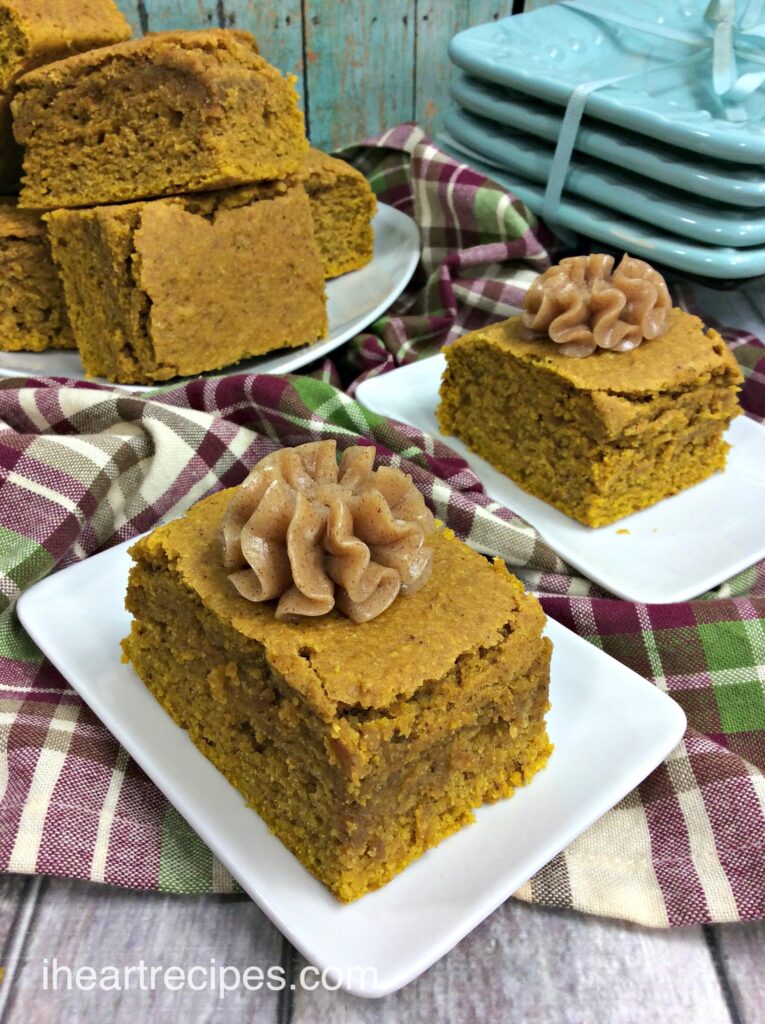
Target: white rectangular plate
<point>672,551</point>
<point>609,726</point>
<point>354,301</point>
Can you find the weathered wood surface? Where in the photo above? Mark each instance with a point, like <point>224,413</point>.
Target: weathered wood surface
<point>435,24</point>
<point>742,959</point>
<point>11,887</point>
<point>524,963</point>
<point>81,924</point>
<point>533,964</point>
<point>359,59</point>
<point>362,65</point>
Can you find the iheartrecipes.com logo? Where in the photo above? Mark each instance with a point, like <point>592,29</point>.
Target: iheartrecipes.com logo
<point>212,976</point>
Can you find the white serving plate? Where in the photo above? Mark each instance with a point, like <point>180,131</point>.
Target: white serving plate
<point>610,728</point>
<point>673,551</point>
<point>354,301</point>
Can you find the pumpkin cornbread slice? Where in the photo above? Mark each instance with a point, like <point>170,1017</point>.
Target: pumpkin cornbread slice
<point>171,112</point>
<point>35,32</point>
<point>32,311</point>
<point>342,205</point>
<point>598,437</point>
<point>360,744</point>
<point>187,284</point>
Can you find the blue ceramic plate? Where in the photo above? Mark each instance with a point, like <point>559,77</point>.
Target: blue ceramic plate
<point>621,233</point>
<point>665,208</point>
<point>550,51</point>
<point>740,184</point>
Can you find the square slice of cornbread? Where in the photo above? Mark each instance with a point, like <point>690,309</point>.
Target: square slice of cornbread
<point>360,744</point>
<point>343,205</point>
<point>175,287</point>
<point>168,113</point>
<point>32,312</point>
<point>598,437</point>
<point>35,32</point>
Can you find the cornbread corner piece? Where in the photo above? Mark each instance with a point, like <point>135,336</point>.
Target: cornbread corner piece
<point>35,32</point>
<point>32,311</point>
<point>361,745</point>
<point>168,113</point>
<point>176,287</point>
<point>343,205</point>
<point>599,437</point>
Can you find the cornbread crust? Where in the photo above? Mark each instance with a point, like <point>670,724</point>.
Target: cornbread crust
<point>187,284</point>
<point>342,205</point>
<point>598,437</point>
<point>361,745</point>
<point>171,112</point>
<point>32,311</point>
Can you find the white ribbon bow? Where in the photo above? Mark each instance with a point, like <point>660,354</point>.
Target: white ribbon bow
<point>728,36</point>
<point>732,37</point>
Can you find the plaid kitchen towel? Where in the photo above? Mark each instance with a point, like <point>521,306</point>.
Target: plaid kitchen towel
<point>83,467</point>
<point>469,229</point>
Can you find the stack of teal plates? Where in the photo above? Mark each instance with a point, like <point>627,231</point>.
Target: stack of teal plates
<point>660,167</point>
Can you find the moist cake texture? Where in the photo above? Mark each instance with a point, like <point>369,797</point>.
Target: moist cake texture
<point>35,32</point>
<point>360,744</point>
<point>32,312</point>
<point>598,437</point>
<point>168,113</point>
<point>343,205</point>
<point>187,284</point>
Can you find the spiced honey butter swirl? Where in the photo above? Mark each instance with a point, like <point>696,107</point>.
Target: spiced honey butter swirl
<point>584,304</point>
<point>314,535</point>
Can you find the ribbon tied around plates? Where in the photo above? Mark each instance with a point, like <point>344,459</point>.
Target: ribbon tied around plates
<point>730,35</point>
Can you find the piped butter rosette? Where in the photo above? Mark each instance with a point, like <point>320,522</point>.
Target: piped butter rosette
<point>583,304</point>
<point>314,535</point>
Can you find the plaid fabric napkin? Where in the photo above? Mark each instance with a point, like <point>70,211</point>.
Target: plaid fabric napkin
<point>83,467</point>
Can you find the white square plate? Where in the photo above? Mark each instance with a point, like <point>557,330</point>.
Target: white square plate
<point>354,301</point>
<point>609,726</point>
<point>672,551</point>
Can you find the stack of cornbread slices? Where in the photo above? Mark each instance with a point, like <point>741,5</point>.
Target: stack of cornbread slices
<point>190,222</point>
<point>34,33</point>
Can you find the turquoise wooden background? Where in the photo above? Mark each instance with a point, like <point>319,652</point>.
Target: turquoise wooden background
<point>362,65</point>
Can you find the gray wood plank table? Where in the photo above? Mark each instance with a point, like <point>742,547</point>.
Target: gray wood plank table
<point>524,963</point>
